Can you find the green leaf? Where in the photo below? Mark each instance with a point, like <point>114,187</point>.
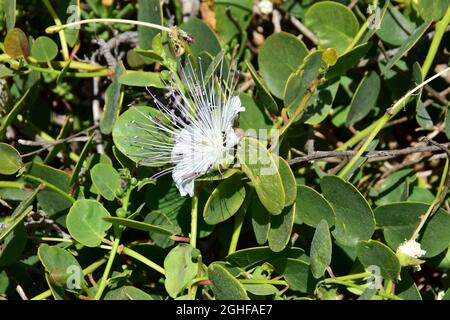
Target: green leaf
<point>260,221</point>
<point>312,208</point>
<point>281,229</point>
<point>180,269</point>
<point>69,11</point>
<point>61,266</point>
<point>295,272</point>
<point>398,221</point>
<point>128,132</point>
<point>141,79</point>
<point>395,28</point>
<point>333,23</point>
<point>320,103</point>
<point>161,220</point>
<point>299,81</point>
<point>364,99</point>
<point>240,10</point>
<point>224,285</point>
<point>16,44</point>
<point>395,188</point>
<point>10,13</point>
<point>406,288</point>
<point>19,213</point>
<point>247,258</point>
<point>257,163</point>
<point>4,282</point>
<point>447,123</point>
<point>289,182</point>
<point>44,49</point>
<point>225,200</point>
<point>280,55</point>
<point>354,217</point>
<point>254,118</point>
<point>406,46</point>
<point>165,230</point>
<point>106,180</point>
<point>263,98</point>
<point>432,9</point>
<point>49,200</point>
<point>13,246</point>
<point>320,249</point>
<point>113,102</point>
<point>11,160</point>
<point>129,293</point>
<point>149,11</point>
<point>204,38</point>
<point>374,253</point>
<point>86,224</point>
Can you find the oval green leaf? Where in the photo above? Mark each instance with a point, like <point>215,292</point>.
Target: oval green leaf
<point>258,164</point>
<point>320,250</point>
<point>141,79</point>
<point>106,180</point>
<point>312,207</point>
<point>180,269</point>
<point>44,49</point>
<point>86,224</point>
<point>165,230</point>
<point>280,55</point>
<point>11,160</point>
<point>281,229</point>
<point>333,23</point>
<point>224,285</point>
<point>225,200</point>
<point>354,217</point>
<point>374,253</point>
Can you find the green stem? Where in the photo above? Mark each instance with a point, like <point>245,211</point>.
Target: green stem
<point>380,123</point>
<point>133,254</point>
<point>349,277</point>
<point>13,113</point>
<point>112,255</point>
<point>101,73</point>
<point>194,218</point>
<point>238,222</point>
<point>62,35</point>
<point>50,186</point>
<point>50,239</point>
<point>350,284</point>
<point>89,269</point>
<point>358,36</point>
<point>440,28</point>
<point>58,28</point>
<point>12,184</point>
<point>263,281</point>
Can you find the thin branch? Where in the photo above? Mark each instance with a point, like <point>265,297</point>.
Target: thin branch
<point>376,155</point>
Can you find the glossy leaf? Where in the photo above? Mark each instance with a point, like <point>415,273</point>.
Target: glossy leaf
<point>86,224</point>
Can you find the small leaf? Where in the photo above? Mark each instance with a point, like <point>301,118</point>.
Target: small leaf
<point>374,253</point>
<point>312,208</point>
<point>289,182</point>
<point>148,11</point>
<point>113,102</point>
<point>44,49</point>
<point>204,38</point>
<point>11,160</point>
<point>281,229</point>
<point>248,258</point>
<point>10,13</point>
<point>299,81</point>
<point>295,272</point>
<point>106,180</point>
<point>262,98</point>
<point>180,269</point>
<point>432,9</point>
<point>333,23</point>
<point>16,44</point>
<point>129,293</point>
<point>320,250</point>
<point>225,200</point>
<point>86,224</point>
<point>224,285</point>
<point>257,163</point>
<point>406,46</point>
<point>348,60</point>
<point>141,79</point>
<point>260,221</point>
<point>13,246</point>
<point>354,217</point>
<point>395,28</point>
<point>280,55</point>
<point>364,99</point>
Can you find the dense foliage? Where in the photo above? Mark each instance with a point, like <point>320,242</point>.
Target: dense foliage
<point>336,189</point>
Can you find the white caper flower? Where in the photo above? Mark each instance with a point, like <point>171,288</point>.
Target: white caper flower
<point>196,135</point>
<point>411,248</point>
